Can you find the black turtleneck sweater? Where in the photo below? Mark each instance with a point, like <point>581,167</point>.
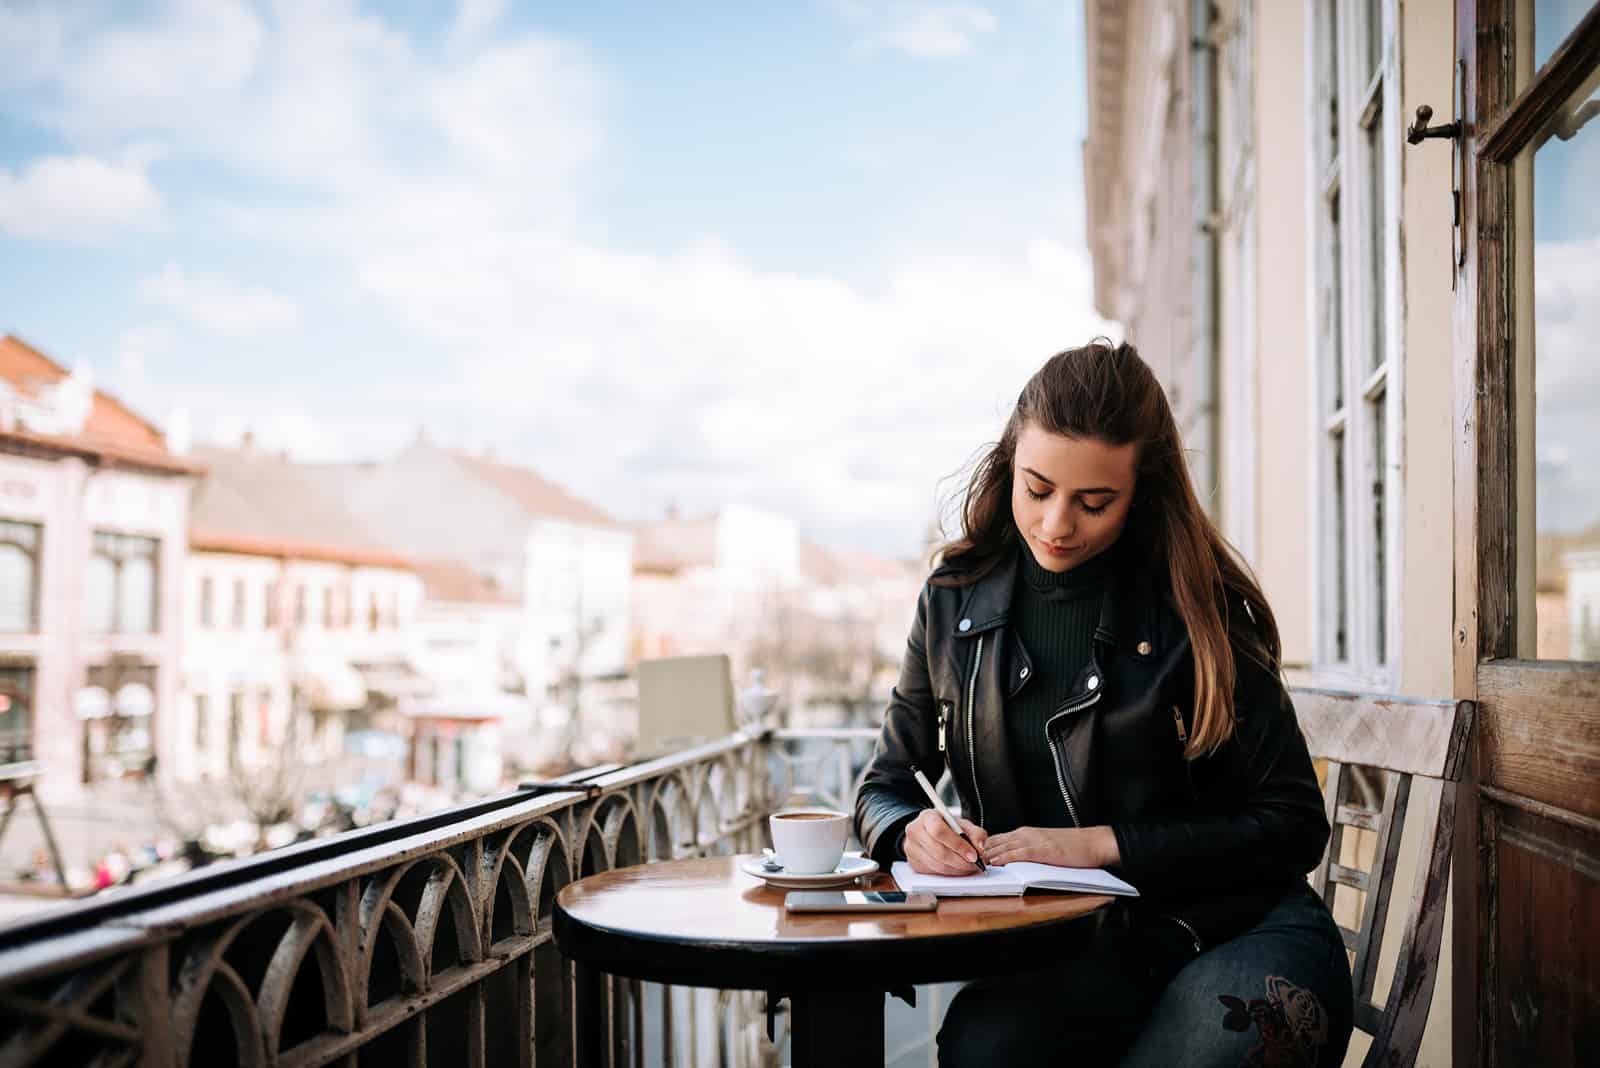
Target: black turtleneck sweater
<point>1054,616</point>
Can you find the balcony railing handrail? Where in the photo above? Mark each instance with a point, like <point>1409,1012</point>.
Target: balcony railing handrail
<point>182,971</point>
<point>228,874</point>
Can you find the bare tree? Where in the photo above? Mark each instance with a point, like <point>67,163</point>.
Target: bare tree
<point>809,655</point>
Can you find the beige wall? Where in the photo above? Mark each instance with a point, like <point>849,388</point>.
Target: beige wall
<point>1427,587</point>
<point>1283,348</point>
<point>1284,367</point>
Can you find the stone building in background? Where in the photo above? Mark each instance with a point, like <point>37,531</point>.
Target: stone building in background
<point>300,622</point>
<point>821,624</point>
<point>565,562</point>
<point>94,512</point>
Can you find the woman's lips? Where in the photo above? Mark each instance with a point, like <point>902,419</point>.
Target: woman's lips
<point>1061,550</point>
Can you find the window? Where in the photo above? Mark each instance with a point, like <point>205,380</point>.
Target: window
<point>238,604</point>
<point>121,584</point>
<point>300,605</point>
<point>206,597</point>
<point>1356,124</point>
<point>16,712</point>
<point>269,604</point>
<point>19,576</point>
<point>1557,249</point>
<point>235,728</point>
<point>201,723</point>
<point>121,742</point>
<point>372,611</point>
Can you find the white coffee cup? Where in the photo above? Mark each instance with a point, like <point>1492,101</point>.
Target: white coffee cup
<point>809,841</point>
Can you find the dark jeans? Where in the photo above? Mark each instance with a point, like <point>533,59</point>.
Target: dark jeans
<point>1277,995</point>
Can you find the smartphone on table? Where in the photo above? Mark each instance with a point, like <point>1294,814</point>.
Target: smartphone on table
<point>858,901</point>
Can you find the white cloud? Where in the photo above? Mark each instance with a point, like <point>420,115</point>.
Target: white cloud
<point>474,17</point>
<point>698,378</point>
<point>374,136</point>
<point>918,28</point>
<point>77,198</point>
<point>219,304</point>
<point>445,180</point>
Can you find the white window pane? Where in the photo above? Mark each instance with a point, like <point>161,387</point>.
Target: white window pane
<point>1375,239</point>
<point>1341,564</point>
<point>100,594</point>
<point>16,589</point>
<point>1380,549</point>
<point>137,595</point>
<point>1566,322</point>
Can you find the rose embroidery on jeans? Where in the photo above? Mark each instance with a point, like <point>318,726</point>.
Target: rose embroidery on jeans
<point>1290,1020</point>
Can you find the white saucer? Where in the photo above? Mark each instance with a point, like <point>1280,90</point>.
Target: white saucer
<point>851,867</point>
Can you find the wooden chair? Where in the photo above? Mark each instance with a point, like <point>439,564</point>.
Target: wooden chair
<point>1397,738</point>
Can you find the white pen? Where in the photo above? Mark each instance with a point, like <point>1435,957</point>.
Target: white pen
<point>927,788</point>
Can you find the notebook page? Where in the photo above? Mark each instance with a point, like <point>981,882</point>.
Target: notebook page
<point>1088,880</point>
<point>996,882</point>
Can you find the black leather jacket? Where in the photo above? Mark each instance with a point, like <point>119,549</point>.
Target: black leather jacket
<point>1213,843</point>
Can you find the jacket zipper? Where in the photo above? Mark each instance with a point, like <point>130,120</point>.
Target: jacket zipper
<point>944,714</point>
<point>1061,775</point>
<point>1199,946</point>
<point>972,753</point>
<point>1177,719</point>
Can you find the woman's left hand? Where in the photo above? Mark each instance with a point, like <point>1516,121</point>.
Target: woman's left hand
<point>1066,847</point>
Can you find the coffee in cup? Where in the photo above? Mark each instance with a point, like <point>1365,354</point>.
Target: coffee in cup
<point>809,841</point>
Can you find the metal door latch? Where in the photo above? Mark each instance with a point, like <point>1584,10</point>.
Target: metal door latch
<point>1420,131</point>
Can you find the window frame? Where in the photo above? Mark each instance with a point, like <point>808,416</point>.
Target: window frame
<point>35,556</point>
<point>23,684</point>
<point>1356,289</point>
<point>207,598</point>
<point>115,547</point>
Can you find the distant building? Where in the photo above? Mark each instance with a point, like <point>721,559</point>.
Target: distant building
<point>565,561</point>
<point>820,622</point>
<point>700,583</point>
<point>466,640</point>
<point>300,621</point>
<point>1583,605</point>
<point>93,518</point>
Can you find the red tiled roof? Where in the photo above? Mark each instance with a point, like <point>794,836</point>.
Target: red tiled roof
<point>218,542</point>
<point>51,445</point>
<point>260,504</point>
<point>455,583</point>
<point>112,430</point>
<point>536,495</point>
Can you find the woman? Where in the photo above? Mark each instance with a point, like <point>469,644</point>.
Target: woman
<point>1100,676</point>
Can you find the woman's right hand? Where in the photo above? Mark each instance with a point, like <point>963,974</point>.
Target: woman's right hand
<point>932,848</point>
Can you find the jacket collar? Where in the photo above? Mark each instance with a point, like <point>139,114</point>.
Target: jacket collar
<point>1130,597</point>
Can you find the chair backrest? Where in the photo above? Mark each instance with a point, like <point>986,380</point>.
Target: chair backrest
<point>1397,739</point>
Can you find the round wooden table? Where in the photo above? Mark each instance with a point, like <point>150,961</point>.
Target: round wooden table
<point>703,922</point>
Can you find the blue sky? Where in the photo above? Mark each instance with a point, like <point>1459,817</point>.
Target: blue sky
<point>793,254</point>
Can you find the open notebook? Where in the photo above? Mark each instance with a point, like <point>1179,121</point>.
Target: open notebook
<point>1010,880</point>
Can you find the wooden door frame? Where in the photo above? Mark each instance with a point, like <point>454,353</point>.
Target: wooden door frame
<point>1497,124</point>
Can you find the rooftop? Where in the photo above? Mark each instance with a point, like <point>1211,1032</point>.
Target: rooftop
<point>535,494</point>
<point>55,411</point>
<point>261,504</point>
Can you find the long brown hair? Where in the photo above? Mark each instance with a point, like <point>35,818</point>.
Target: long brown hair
<point>1107,392</point>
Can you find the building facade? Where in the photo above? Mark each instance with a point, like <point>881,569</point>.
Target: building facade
<point>563,559</point>
<point>301,622</point>
<point>93,520</point>
<point>822,625</point>
<point>1324,345</point>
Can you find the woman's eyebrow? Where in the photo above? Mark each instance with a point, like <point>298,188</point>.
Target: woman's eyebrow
<point>1086,491</point>
<point>1038,476</point>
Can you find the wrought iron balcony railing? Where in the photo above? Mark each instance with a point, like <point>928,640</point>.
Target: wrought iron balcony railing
<point>425,941</point>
